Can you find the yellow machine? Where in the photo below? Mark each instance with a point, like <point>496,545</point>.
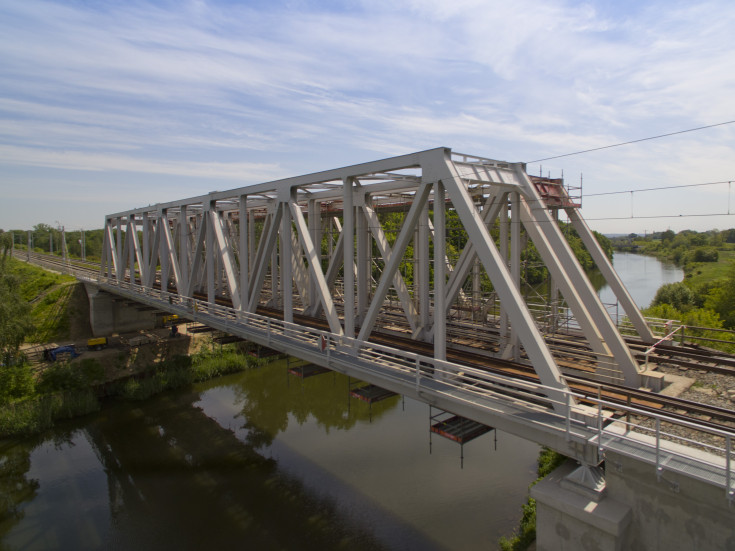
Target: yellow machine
<point>97,344</point>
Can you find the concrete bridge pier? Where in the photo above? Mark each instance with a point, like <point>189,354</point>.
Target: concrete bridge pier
<point>110,314</point>
<point>630,509</point>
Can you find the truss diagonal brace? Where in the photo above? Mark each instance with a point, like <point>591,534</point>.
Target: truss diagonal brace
<point>496,268</point>
<point>315,268</point>
<point>399,248</point>
<point>612,278</point>
<point>227,258</point>
<point>385,251</point>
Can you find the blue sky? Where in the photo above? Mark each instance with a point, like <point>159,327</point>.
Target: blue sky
<point>110,105</point>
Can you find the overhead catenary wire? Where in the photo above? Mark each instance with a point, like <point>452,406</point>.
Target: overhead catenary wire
<point>632,141</point>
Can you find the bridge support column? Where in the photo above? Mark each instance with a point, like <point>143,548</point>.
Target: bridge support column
<point>109,314</point>
<point>574,512</point>
<point>637,509</point>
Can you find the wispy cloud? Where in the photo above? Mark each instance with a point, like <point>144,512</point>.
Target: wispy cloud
<point>217,90</point>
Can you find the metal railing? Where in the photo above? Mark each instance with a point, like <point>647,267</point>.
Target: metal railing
<point>667,451</point>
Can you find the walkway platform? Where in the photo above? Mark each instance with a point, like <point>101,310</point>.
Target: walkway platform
<point>227,339</point>
<point>307,370</point>
<point>371,393</point>
<point>459,429</point>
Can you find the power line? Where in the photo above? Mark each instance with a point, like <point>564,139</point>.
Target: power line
<point>633,141</point>
<point>657,188</point>
<point>661,216</point>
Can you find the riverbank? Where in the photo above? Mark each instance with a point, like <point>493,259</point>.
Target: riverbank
<point>525,537</point>
<point>68,389</point>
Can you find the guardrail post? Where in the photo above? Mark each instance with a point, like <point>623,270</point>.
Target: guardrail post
<point>659,469</point>
<point>730,492</point>
<point>569,416</point>
<point>268,331</point>
<point>418,374</point>
<point>599,431</point>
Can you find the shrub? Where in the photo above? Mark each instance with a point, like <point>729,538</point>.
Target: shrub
<point>705,254</point>
<point>678,295</point>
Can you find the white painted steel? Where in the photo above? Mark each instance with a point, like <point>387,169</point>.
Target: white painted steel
<point>263,245</point>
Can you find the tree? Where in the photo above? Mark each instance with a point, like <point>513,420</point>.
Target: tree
<point>6,245</point>
<point>15,317</point>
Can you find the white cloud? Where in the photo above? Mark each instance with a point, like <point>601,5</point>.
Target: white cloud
<point>217,90</point>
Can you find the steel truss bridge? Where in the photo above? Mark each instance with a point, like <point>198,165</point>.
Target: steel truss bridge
<point>393,271</point>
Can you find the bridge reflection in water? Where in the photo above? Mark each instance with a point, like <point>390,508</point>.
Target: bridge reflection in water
<point>260,461</point>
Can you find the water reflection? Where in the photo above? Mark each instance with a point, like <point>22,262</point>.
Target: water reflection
<point>268,398</point>
<point>259,461</point>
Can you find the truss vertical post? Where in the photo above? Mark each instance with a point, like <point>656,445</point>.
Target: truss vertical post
<point>209,251</point>
<point>146,249</point>
<point>251,243</point>
<point>440,266</point>
<point>119,248</point>
<point>163,250</point>
<point>348,231</point>
<point>515,262</point>
<point>422,248</point>
<point>244,226</point>
<point>184,247</point>
<point>286,263</point>
<point>503,249</point>
<point>363,265</point>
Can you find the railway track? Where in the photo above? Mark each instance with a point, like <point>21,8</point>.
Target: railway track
<point>691,357</point>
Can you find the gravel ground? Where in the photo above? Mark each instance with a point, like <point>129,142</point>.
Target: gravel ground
<point>707,388</point>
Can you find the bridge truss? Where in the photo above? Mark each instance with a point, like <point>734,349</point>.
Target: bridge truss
<point>387,222</point>
<point>324,266</point>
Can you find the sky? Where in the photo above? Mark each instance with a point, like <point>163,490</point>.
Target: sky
<point>110,105</point>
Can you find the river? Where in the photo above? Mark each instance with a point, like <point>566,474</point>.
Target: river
<point>264,460</point>
<point>642,275</point>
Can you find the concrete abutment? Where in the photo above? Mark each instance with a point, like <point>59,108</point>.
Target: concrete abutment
<point>110,314</point>
<point>636,510</point>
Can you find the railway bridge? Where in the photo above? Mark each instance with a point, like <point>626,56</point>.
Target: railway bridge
<point>410,273</point>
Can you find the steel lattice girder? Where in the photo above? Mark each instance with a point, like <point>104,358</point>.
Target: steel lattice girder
<point>231,244</point>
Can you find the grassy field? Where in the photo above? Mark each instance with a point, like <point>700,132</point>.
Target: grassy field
<point>51,296</point>
<point>703,272</point>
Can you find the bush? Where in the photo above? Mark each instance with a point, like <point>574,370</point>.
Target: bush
<point>16,381</point>
<point>678,295</point>
<point>705,254</point>
<point>71,376</point>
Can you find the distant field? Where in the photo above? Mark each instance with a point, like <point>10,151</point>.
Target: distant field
<point>702,272</point>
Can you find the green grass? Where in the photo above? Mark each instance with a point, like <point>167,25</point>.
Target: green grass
<point>49,295</point>
<point>35,281</point>
<point>698,273</point>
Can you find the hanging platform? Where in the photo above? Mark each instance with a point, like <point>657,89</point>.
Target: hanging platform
<point>227,339</point>
<point>307,370</point>
<point>459,429</point>
<point>371,393</point>
<point>199,329</point>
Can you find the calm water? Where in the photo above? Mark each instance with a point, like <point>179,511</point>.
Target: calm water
<point>260,461</point>
<point>642,275</point>
<point>264,461</point>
